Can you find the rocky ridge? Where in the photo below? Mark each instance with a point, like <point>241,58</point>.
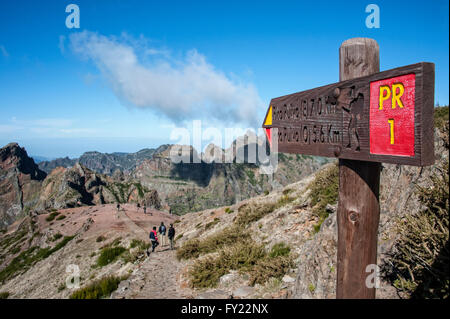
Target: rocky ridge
<point>199,182</point>
<point>104,163</point>
<point>20,180</point>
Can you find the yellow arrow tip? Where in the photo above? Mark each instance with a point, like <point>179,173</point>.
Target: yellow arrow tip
<point>268,120</point>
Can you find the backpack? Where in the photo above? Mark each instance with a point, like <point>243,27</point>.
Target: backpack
<point>152,235</point>
<point>162,229</point>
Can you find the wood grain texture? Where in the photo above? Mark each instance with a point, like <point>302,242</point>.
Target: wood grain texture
<point>358,217</point>
<point>358,57</point>
<point>334,120</point>
<point>359,183</point>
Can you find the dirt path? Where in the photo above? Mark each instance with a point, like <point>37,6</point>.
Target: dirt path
<point>156,278</point>
<point>122,215</point>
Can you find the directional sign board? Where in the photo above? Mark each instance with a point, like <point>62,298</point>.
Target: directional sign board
<point>384,117</point>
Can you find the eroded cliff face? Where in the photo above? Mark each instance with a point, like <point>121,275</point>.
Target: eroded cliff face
<point>190,187</point>
<point>20,180</point>
<point>80,186</point>
<point>71,187</point>
<point>207,183</point>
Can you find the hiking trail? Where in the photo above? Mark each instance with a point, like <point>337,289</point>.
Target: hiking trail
<point>156,277</point>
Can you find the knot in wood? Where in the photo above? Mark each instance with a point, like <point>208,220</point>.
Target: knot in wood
<point>353,216</point>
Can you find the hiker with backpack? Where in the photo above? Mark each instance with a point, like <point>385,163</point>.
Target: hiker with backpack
<point>171,235</point>
<point>162,232</point>
<point>153,239</point>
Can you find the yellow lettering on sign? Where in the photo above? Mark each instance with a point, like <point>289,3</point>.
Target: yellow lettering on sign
<point>383,89</point>
<point>396,97</point>
<point>391,129</point>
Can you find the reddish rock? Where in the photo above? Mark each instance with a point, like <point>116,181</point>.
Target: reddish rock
<point>20,180</point>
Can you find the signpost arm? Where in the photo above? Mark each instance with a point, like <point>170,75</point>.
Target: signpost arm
<point>358,208</point>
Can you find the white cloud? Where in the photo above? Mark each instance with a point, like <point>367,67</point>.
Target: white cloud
<point>3,51</point>
<point>190,88</point>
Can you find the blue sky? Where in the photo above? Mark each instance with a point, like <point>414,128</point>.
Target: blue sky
<point>135,69</point>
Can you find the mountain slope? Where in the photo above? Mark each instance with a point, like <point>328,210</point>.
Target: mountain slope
<point>399,197</point>
<point>20,180</point>
<point>48,166</point>
<point>202,183</point>
<point>36,251</point>
<point>189,187</point>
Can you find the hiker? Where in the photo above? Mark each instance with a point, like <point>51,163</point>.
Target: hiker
<point>153,239</point>
<point>162,232</point>
<point>137,207</point>
<point>145,209</point>
<point>118,206</point>
<point>171,235</point>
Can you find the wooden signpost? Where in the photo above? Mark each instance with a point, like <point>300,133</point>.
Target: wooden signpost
<point>368,118</point>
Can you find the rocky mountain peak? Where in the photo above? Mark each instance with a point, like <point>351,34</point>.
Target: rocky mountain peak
<point>13,156</point>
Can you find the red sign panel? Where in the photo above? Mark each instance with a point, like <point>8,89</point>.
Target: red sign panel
<point>391,118</point>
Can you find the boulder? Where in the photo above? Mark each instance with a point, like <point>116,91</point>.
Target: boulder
<point>243,291</point>
<point>288,279</point>
<point>228,278</point>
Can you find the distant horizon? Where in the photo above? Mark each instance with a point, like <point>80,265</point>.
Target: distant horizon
<point>75,148</point>
<point>78,155</point>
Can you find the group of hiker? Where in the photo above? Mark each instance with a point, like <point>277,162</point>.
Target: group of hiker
<point>162,230</point>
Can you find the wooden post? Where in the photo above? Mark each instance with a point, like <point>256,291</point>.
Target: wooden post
<point>359,208</point>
